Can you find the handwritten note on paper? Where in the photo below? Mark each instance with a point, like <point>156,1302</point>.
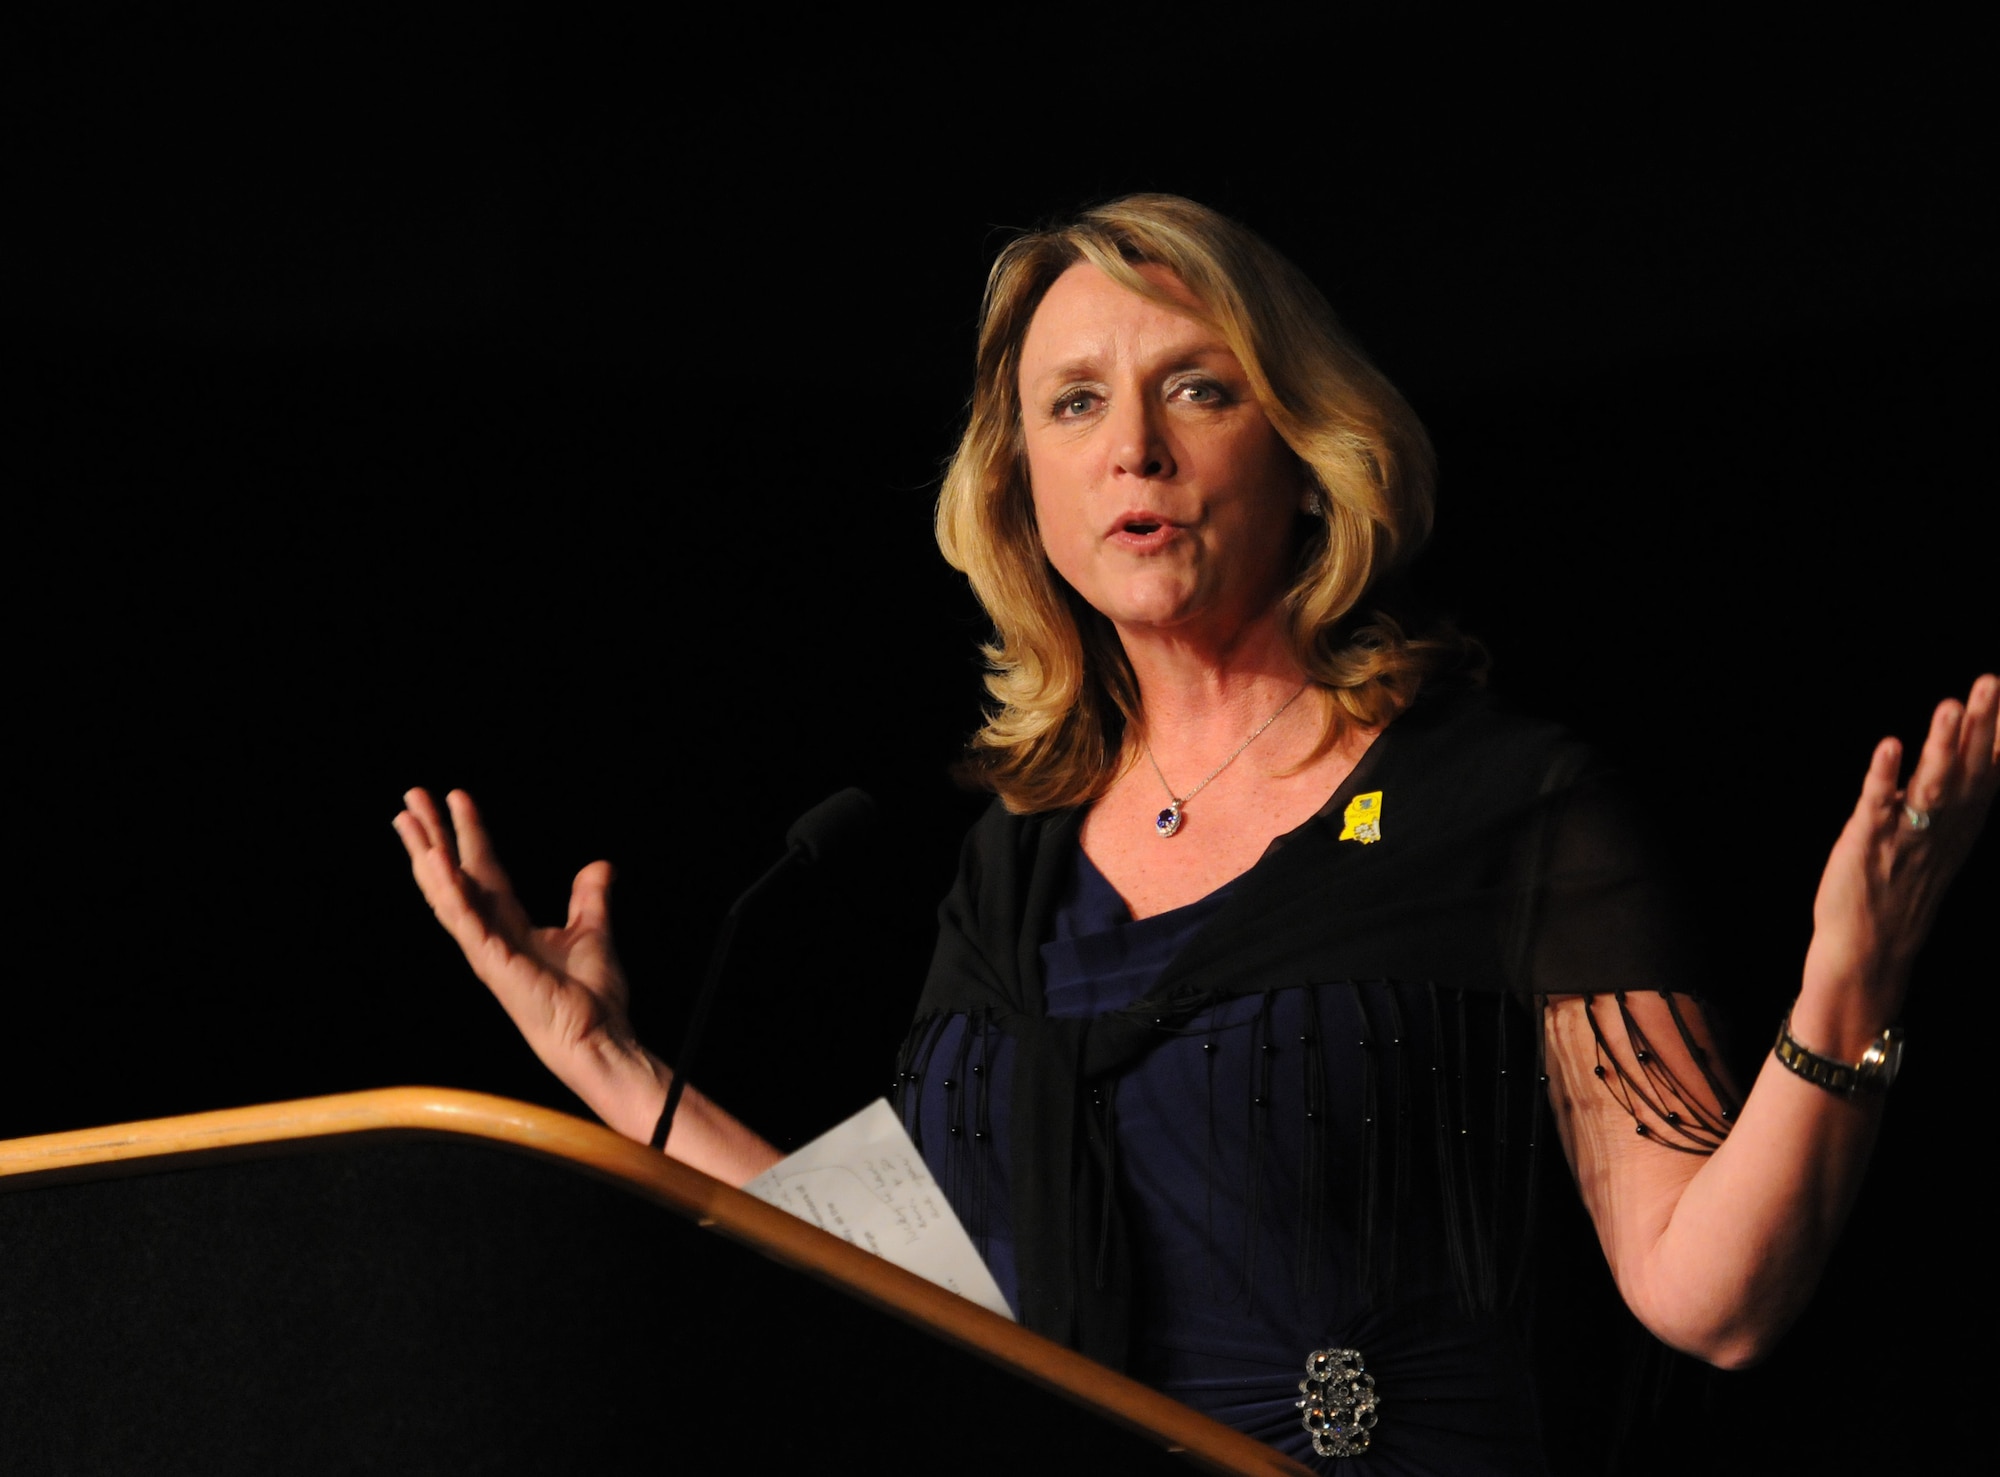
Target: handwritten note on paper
<point>865,1183</point>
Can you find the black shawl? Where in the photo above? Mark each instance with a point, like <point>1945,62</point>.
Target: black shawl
<point>1504,867</point>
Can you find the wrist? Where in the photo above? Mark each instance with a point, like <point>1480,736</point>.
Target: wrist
<point>624,1084</point>
<point>1871,1073</point>
<point>1837,1014</point>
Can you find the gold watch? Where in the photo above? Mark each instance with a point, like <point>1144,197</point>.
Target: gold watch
<point>1877,1068</point>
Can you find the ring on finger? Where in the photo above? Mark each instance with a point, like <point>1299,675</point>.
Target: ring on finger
<point>1918,820</point>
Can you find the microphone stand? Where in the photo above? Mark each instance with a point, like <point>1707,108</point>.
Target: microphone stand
<point>836,821</point>
<point>710,986</point>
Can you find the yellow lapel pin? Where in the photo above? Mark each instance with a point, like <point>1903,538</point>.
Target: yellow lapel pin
<point>1362,820</point>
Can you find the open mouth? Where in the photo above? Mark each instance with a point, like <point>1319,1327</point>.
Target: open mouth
<point>1142,527</point>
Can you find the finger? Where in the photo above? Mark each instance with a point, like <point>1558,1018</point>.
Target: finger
<point>1878,787</point>
<point>1979,734</point>
<point>1880,802</point>
<point>1979,753</point>
<point>443,885</point>
<point>475,848</point>
<point>494,893</point>
<point>431,863</point>
<point>590,898</point>
<point>489,938</point>
<point>1881,791</point>
<point>1932,783</point>
<point>416,841</point>
<point>424,812</point>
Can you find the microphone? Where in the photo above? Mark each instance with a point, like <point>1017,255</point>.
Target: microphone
<point>838,823</point>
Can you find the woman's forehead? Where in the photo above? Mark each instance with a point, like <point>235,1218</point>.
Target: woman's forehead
<point>1088,318</point>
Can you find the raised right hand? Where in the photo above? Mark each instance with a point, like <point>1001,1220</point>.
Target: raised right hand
<point>562,987</point>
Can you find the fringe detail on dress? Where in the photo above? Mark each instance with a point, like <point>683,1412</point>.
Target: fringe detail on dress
<point>1673,1117</point>
<point>1483,1122</point>
<point>1368,1179</point>
<point>1264,1052</point>
<point>1313,1150</point>
<point>1449,1147</point>
<point>1491,1244</point>
<point>976,1079</point>
<point>963,1169</point>
<point>911,1064</point>
<point>1538,1107</point>
<point>1718,1090</point>
<point>1209,1050</point>
<point>1106,1101</point>
<point>1400,1129</point>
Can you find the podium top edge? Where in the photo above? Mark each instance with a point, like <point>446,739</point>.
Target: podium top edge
<point>163,1144</point>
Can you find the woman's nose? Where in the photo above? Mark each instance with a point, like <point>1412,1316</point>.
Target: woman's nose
<point>1139,448</point>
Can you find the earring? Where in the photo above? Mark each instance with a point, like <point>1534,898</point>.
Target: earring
<point>1311,505</point>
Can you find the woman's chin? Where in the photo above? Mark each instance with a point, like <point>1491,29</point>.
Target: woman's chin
<point>1187,602</point>
<point>1153,613</point>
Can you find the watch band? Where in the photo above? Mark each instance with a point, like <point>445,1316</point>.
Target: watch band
<point>1877,1068</point>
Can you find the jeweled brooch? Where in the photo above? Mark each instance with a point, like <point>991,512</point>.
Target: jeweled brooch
<point>1337,1402</point>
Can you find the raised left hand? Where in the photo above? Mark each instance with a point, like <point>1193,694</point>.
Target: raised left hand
<point>1896,856</point>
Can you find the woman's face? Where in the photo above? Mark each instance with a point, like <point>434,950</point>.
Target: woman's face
<point>1162,493</point>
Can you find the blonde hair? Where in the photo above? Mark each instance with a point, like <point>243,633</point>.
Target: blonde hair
<point>1068,703</point>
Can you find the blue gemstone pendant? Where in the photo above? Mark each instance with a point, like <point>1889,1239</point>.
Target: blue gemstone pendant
<point>1169,820</point>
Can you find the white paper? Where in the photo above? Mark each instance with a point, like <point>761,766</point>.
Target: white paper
<point>865,1183</point>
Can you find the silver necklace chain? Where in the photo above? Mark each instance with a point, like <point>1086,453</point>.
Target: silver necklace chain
<point>1169,820</point>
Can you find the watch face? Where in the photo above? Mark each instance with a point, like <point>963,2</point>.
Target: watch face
<point>1892,1056</point>
<point>1882,1060</point>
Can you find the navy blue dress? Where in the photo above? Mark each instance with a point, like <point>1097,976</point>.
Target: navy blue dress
<point>1230,1302</point>
<point>1305,1112</point>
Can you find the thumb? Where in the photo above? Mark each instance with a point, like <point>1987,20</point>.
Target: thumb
<point>590,898</point>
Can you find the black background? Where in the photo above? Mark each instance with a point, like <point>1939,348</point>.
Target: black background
<point>558,414</point>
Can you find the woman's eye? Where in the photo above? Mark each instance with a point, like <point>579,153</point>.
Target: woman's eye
<point>1076,403</point>
<point>1201,392</point>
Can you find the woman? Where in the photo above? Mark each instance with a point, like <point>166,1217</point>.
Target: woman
<point>1262,977</point>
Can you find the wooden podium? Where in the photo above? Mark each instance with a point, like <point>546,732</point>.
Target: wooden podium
<point>418,1280</point>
